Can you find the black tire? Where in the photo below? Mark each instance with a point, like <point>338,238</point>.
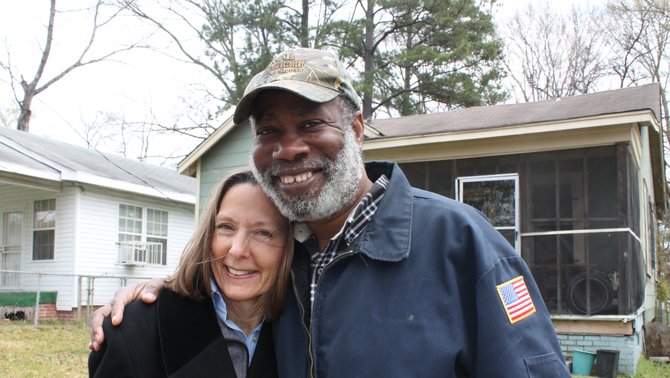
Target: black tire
<point>602,293</point>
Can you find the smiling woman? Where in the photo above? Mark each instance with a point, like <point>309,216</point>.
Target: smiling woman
<point>248,250</point>
<point>213,315</point>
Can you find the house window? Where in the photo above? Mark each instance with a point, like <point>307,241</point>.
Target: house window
<point>157,225</point>
<point>142,235</point>
<point>44,229</point>
<point>130,223</point>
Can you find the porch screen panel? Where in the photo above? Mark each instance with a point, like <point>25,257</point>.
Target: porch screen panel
<point>581,237</point>
<point>633,275</point>
<point>440,177</point>
<point>544,254</point>
<point>633,196</point>
<point>580,222</point>
<point>633,264</point>
<point>436,176</point>
<point>416,173</point>
<point>593,290</point>
<point>601,180</point>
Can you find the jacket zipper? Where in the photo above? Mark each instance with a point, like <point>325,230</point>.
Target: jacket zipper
<point>302,308</point>
<point>307,331</point>
<point>339,256</point>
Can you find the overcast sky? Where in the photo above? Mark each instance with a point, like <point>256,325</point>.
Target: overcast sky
<point>135,85</point>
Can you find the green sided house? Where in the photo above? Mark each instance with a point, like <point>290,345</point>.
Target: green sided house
<point>576,185</point>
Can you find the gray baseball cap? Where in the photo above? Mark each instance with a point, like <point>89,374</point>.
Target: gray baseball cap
<point>315,75</point>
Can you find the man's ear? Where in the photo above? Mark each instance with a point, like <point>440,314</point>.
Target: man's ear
<point>359,128</point>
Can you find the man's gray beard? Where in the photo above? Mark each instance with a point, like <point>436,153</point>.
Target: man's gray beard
<point>342,178</point>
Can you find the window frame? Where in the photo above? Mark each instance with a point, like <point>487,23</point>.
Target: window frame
<point>42,229</point>
<point>144,245</point>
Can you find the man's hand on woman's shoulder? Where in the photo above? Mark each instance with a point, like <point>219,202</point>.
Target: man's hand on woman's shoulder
<point>147,291</point>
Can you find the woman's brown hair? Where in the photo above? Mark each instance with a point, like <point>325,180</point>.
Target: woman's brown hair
<point>194,271</point>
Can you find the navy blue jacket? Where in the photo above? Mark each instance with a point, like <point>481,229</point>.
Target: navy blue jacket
<point>416,295</point>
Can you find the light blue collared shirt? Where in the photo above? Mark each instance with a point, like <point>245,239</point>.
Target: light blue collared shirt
<point>222,312</point>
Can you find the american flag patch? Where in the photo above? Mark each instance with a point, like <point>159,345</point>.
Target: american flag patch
<point>515,299</point>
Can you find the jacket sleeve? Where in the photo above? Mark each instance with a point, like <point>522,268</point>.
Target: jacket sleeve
<point>113,360</point>
<point>130,350</point>
<point>514,327</point>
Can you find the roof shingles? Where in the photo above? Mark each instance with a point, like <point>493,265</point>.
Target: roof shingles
<point>645,97</point>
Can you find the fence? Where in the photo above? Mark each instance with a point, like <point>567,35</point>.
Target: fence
<point>51,296</point>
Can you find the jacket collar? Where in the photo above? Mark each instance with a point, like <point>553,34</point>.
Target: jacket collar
<point>387,237</point>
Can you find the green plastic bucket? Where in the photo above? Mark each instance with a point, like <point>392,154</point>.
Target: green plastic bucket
<point>582,362</point>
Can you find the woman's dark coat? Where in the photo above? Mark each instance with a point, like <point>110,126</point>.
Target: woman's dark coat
<point>175,337</point>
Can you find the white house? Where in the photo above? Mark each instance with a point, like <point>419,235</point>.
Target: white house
<point>67,211</point>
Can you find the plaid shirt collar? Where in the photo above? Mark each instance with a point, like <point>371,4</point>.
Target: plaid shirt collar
<point>352,228</point>
<point>355,224</point>
<point>365,211</point>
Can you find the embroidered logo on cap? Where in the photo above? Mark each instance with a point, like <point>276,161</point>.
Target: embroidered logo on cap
<point>285,63</point>
<point>515,299</point>
<point>316,75</point>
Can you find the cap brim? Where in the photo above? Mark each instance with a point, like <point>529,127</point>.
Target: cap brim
<point>308,91</point>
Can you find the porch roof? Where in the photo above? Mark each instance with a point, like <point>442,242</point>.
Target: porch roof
<point>30,155</point>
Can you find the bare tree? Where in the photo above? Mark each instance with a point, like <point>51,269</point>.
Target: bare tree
<point>237,38</point>
<point>623,33</point>
<point>640,37</point>
<point>639,40</point>
<point>27,89</point>
<point>550,55</point>
<point>146,138</point>
<point>111,131</point>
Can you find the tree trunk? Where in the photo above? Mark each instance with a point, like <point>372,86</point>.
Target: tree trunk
<point>30,90</point>
<point>304,24</point>
<point>368,60</point>
<point>24,117</point>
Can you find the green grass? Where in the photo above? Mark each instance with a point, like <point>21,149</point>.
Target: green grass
<point>51,350</point>
<point>649,369</point>
<point>61,350</point>
<point>645,369</point>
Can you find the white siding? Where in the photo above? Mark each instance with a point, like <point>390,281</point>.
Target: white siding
<point>85,239</point>
<point>22,198</point>
<point>12,199</point>
<point>97,234</point>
